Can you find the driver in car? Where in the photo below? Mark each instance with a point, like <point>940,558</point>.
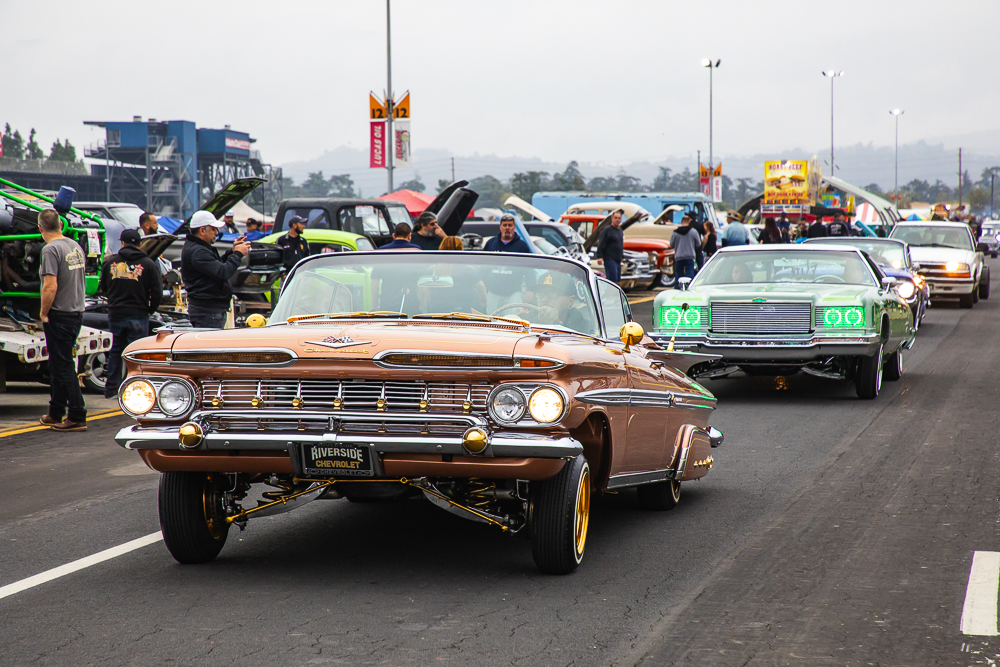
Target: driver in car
<point>555,295</point>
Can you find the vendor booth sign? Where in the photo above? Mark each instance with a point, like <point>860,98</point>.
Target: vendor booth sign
<point>785,182</point>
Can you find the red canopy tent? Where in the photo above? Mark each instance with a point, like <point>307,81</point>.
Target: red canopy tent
<point>415,202</point>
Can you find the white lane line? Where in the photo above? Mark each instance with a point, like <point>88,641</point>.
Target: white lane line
<point>70,568</point>
<point>979,614</point>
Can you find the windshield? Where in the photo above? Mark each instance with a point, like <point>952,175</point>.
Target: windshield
<point>398,214</point>
<point>884,253</point>
<point>785,267</point>
<point>990,230</point>
<point>531,287</point>
<point>933,236</point>
<point>128,214</point>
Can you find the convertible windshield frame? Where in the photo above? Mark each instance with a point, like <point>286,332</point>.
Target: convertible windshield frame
<point>811,259</point>
<point>586,311</point>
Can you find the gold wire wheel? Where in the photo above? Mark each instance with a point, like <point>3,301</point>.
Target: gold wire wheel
<point>211,503</point>
<point>582,511</point>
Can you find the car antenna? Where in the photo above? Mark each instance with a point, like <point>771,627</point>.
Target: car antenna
<point>670,348</point>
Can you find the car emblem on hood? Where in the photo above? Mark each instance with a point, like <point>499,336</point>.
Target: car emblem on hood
<point>760,299</point>
<point>336,342</point>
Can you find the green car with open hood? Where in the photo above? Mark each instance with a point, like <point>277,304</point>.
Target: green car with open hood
<point>827,310</point>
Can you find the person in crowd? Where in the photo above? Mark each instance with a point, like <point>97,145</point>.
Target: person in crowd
<point>817,229</point>
<point>771,233</point>
<point>148,224</point>
<point>735,232</point>
<point>507,240</point>
<point>206,275</point>
<point>63,267</point>
<point>611,248</point>
<point>839,226</point>
<point>255,230</point>
<point>229,224</point>
<point>711,243</point>
<point>133,285</point>
<point>293,244</point>
<point>555,295</point>
<point>428,235</point>
<point>467,291</point>
<point>401,239</point>
<point>685,241</point>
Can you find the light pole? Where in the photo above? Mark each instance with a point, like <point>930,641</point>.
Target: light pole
<point>895,186</point>
<point>833,75</point>
<point>707,62</point>
<point>390,152</point>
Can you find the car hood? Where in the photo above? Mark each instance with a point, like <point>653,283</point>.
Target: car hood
<point>357,341</point>
<point>925,254</point>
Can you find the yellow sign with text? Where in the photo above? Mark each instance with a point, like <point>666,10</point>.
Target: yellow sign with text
<point>376,107</point>
<point>401,109</point>
<point>786,182</point>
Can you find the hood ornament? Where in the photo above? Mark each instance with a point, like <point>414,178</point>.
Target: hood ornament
<point>336,342</point>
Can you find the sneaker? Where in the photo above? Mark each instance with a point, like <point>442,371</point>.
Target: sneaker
<point>67,425</point>
<point>46,420</point>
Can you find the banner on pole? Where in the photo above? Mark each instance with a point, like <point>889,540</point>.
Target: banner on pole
<point>402,130</point>
<point>401,109</point>
<point>716,189</point>
<point>703,183</point>
<point>377,158</point>
<point>717,172</point>
<point>376,107</point>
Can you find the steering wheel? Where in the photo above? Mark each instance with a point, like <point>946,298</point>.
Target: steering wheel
<point>829,279</point>
<point>516,305</point>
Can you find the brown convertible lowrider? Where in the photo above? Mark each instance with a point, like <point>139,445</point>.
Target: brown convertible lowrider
<point>380,375</point>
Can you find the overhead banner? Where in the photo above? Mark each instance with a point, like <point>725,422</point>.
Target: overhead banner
<point>786,182</point>
<point>402,130</point>
<point>378,157</point>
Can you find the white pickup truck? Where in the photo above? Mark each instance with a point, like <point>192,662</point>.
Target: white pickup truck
<point>949,259</point>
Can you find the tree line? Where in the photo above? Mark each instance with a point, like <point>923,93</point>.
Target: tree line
<point>974,193</point>
<point>15,147</point>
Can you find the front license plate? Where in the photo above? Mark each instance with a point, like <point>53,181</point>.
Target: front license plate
<point>338,460</point>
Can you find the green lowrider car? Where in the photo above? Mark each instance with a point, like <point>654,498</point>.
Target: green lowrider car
<point>824,310</point>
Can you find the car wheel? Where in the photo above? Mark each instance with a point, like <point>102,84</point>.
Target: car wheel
<point>97,378</point>
<point>868,380</point>
<point>659,497</point>
<point>984,284</point>
<point>993,255</point>
<point>560,515</point>
<point>966,300</point>
<point>893,367</point>
<point>191,515</point>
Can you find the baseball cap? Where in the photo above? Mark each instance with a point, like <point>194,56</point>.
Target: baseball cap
<point>295,219</point>
<point>130,236</point>
<point>557,282</point>
<point>204,219</point>
<point>229,214</point>
<point>506,216</point>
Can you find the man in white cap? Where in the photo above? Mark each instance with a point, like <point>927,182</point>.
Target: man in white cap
<point>206,275</point>
<point>230,224</point>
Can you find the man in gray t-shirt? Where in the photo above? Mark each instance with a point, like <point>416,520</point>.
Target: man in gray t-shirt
<point>63,272</point>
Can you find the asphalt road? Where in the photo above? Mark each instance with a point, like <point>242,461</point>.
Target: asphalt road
<point>831,531</point>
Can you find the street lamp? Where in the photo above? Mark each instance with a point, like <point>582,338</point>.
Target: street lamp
<point>895,187</point>
<point>707,62</point>
<point>833,75</point>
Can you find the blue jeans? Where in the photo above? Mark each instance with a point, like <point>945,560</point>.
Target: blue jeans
<point>126,331</point>
<point>683,268</point>
<point>61,332</point>
<point>207,318</point>
<point>613,269</point>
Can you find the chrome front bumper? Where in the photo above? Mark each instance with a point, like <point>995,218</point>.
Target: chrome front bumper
<point>773,349</point>
<point>326,428</point>
<point>945,287</point>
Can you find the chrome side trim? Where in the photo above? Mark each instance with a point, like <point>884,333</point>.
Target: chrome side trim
<point>634,397</point>
<point>638,478</point>
<point>444,353</point>
<point>171,362</point>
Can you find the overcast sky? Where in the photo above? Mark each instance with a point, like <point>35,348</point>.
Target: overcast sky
<point>611,81</point>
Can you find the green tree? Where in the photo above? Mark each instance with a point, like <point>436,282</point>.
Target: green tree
<point>62,152</point>
<point>442,184</point>
<point>662,181</point>
<point>34,151</point>
<point>13,144</point>
<point>626,183</point>
<point>601,184</point>
<point>875,189</point>
<point>341,186</point>
<point>570,179</point>
<point>315,186</point>
<point>526,184</point>
<point>416,185</point>
<point>491,191</point>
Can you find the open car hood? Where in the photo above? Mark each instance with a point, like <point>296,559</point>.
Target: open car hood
<point>525,207</point>
<point>225,199</point>
<point>155,244</point>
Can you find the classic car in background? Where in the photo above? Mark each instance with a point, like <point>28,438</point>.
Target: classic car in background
<point>827,311</point>
<point>989,237</point>
<point>380,376</point>
<point>893,257</point>
<point>948,258</point>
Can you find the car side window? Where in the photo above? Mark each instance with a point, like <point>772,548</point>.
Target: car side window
<point>325,247</point>
<point>612,298</point>
<point>363,220</point>
<point>316,218</point>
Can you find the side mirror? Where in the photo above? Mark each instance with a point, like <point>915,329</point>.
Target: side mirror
<point>982,247</point>
<point>256,320</point>
<point>682,283</point>
<point>888,282</point>
<point>631,333</point>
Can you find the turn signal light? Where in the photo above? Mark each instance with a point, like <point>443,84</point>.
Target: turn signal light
<point>151,356</point>
<point>535,363</point>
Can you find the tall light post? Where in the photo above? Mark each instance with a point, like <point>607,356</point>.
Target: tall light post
<point>895,185</point>
<point>707,62</point>
<point>389,111</point>
<point>832,74</point>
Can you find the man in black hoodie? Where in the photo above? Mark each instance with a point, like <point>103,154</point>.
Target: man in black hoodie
<point>206,275</point>
<point>132,283</point>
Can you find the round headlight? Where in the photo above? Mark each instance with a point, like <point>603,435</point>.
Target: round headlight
<point>545,405</point>
<point>951,266</point>
<point>508,405</point>
<point>175,398</point>
<point>906,289</point>
<point>138,397</point>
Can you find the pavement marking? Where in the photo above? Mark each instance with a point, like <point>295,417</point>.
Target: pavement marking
<point>979,614</point>
<point>83,563</point>
<point>643,299</point>
<point>15,430</point>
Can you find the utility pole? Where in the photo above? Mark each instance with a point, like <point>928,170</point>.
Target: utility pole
<point>895,187</point>
<point>453,170</point>
<point>390,152</point>
<point>959,176</point>
<point>708,63</point>
<point>832,74</point>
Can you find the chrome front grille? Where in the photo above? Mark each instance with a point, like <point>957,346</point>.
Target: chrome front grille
<point>369,395</point>
<point>766,318</point>
<point>938,270</point>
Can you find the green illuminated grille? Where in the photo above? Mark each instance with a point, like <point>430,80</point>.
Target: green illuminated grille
<point>847,317</point>
<point>692,318</point>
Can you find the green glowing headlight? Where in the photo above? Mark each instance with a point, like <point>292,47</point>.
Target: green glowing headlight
<point>671,316</point>
<point>853,317</point>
